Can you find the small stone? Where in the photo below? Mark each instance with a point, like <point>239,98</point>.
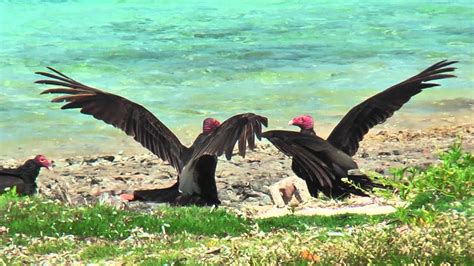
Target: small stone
<point>225,173</point>
<point>95,191</point>
<point>356,172</point>
<point>3,229</point>
<point>386,172</point>
<point>240,184</point>
<point>95,181</point>
<point>91,160</point>
<point>109,158</point>
<point>266,200</point>
<point>379,170</point>
<point>71,161</point>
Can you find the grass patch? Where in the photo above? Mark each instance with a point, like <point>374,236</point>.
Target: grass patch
<point>51,246</point>
<point>439,188</point>
<point>100,252</point>
<point>302,223</point>
<point>163,260</point>
<point>444,240</point>
<point>38,217</point>
<point>8,198</point>
<point>452,180</point>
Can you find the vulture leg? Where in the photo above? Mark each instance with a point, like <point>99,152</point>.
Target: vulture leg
<point>161,195</point>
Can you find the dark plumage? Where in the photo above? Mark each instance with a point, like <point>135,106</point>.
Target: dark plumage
<point>322,163</point>
<point>195,165</point>
<point>23,177</point>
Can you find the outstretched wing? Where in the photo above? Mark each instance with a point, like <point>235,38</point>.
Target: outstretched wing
<point>306,152</point>
<point>134,119</point>
<point>241,128</point>
<point>375,110</point>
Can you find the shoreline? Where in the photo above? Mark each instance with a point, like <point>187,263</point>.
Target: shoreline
<point>111,140</point>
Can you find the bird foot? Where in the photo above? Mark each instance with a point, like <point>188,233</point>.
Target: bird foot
<point>127,197</point>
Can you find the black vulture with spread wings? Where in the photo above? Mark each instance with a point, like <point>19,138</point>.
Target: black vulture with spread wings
<point>195,165</point>
<point>323,163</point>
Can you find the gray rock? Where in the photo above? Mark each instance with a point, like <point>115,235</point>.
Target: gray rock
<point>266,200</point>
<point>109,158</point>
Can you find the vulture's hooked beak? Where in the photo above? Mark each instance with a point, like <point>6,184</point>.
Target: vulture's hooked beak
<point>49,166</point>
<point>291,122</point>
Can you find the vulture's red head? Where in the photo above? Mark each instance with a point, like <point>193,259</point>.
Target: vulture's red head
<point>209,125</point>
<point>302,121</point>
<point>42,161</point>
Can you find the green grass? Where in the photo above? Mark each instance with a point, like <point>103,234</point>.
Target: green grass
<point>39,217</point>
<point>302,223</point>
<point>50,246</point>
<point>36,216</point>
<point>100,252</point>
<point>449,181</point>
<point>439,188</point>
<point>434,228</point>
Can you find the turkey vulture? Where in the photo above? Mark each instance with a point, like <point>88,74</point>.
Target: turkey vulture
<point>322,163</point>
<point>23,177</point>
<point>195,165</point>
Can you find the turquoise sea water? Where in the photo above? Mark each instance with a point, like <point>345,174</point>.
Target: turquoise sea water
<point>188,60</point>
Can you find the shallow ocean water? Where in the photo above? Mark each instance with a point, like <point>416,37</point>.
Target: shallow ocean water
<point>187,61</point>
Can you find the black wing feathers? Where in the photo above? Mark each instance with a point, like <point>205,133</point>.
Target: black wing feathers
<point>134,119</point>
<point>375,110</point>
<point>242,128</point>
<point>306,152</point>
<point>9,172</point>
